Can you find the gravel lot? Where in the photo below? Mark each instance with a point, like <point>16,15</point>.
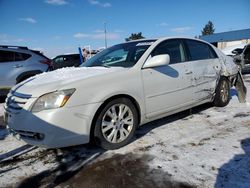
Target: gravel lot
<point>205,147</point>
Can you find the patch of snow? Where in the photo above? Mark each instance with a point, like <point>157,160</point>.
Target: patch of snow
<point>69,74</point>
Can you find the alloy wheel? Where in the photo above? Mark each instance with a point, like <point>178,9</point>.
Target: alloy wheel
<point>117,123</point>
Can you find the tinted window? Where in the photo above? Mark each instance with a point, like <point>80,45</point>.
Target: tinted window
<point>21,56</point>
<point>199,50</point>
<point>174,48</point>
<point>246,55</point>
<point>76,57</point>
<point>247,49</point>
<point>6,56</point>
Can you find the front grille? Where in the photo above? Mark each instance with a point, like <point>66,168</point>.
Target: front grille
<point>15,102</point>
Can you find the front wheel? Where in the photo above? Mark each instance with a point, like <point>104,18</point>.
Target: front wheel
<point>116,124</point>
<point>222,93</point>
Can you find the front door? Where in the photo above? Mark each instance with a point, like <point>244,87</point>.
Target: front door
<point>168,87</point>
<point>11,65</point>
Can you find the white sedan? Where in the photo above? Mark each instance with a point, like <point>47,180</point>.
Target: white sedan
<point>119,89</point>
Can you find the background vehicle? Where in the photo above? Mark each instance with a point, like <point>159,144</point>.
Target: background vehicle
<point>233,50</point>
<point>19,63</point>
<point>118,89</point>
<point>69,60</point>
<point>240,54</point>
<point>243,59</point>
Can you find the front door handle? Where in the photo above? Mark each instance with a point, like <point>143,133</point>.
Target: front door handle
<point>188,72</point>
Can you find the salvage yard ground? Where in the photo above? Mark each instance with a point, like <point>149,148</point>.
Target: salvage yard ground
<point>208,147</point>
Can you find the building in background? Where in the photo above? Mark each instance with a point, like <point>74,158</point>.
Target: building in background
<point>227,39</point>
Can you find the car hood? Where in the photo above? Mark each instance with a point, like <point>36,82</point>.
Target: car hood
<point>52,81</point>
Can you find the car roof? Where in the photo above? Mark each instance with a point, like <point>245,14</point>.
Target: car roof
<point>22,49</point>
<point>167,38</point>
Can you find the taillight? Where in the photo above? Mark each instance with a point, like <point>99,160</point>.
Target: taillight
<point>47,62</point>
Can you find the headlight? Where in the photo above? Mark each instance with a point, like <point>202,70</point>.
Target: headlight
<point>52,100</point>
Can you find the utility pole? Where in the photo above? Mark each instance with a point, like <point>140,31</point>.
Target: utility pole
<point>105,33</point>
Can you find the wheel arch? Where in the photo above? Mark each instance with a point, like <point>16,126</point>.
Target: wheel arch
<point>216,99</point>
<point>26,75</point>
<point>132,99</point>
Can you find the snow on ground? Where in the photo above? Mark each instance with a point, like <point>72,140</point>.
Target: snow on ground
<point>208,147</point>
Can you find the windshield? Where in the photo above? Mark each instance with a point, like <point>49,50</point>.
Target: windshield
<point>121,55</point>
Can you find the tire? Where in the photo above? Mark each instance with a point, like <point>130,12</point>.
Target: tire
<point>116,124</point>
<point>222,93</point>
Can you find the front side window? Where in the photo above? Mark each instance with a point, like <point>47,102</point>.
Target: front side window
<point>199,50</point>
<point>121,55</point>
<point>174,48</point>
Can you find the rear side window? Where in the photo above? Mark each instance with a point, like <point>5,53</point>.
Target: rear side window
<point>21,56</point>
<point>199,50</point>
<point>9,56</point>
<point>174,48</point>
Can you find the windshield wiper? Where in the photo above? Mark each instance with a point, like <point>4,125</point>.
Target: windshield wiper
<point>103,65</point>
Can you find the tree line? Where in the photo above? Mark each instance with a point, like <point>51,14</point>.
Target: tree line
<point>208,29</point>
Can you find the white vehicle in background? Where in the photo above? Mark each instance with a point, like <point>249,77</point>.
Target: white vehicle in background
<point>119,89</point>
<point>233,50</point>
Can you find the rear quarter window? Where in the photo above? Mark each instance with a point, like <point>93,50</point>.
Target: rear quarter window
<point>199,50</point>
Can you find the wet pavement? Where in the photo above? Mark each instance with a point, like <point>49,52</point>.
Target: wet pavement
<point>128,170</point>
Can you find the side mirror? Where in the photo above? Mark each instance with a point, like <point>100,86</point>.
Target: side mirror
<point>156,61</point>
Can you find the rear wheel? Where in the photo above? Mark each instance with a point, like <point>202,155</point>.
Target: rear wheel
<point>116,124</point>
<point>222,93</point>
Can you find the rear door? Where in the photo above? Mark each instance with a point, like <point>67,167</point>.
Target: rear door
<point>168,87</point>
<point>206,66</point>
<point>11,65</point>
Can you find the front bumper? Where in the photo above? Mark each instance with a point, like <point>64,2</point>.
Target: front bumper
<point>53,128</point>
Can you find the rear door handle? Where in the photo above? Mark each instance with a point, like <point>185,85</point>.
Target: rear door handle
<point>188,72</point>
<point>17,66</point>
